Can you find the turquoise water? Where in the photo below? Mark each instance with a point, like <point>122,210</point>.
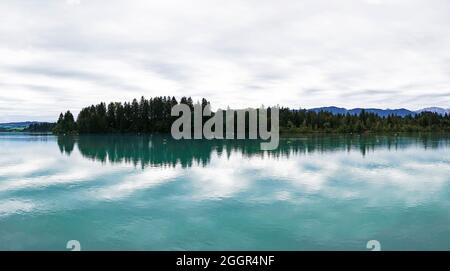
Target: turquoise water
<point>154,193</point>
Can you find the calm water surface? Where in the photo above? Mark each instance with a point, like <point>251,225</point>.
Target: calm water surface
<point>154,193</point>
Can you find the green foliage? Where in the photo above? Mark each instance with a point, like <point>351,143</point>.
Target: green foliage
<point>143,116</point>
<point>153,115</point>
<point>65,124</point>
<point>41,127</point>
<point>304,121</point>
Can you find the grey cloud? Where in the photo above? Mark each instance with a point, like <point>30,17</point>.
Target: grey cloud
<point>297,53</point>
<point>56,72</point>
<point>4,99</point>
<point>370,92</point>
<point>167,70</point>
<point>40,88</point>
<point>428,97</point>
<point>71,74</point>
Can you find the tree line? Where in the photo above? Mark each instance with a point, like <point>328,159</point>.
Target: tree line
<point>303,121</point>
<point>144,116</point>
<point>40,127</point>
<point>154,115</point>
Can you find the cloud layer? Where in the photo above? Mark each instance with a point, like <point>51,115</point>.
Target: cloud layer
<point>65,54</point>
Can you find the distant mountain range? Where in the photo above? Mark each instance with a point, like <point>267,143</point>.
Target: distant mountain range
<point>17,125</point>
<point>380,112</point>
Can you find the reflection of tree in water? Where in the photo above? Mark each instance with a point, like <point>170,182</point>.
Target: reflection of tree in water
<point>66,144</point>
<point>159,150</point>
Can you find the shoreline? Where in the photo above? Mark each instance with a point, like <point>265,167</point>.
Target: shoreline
<point>282,134</point>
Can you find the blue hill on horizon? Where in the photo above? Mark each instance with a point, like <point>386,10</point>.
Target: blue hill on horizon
<point>402,112</point>
<point>17,125</point>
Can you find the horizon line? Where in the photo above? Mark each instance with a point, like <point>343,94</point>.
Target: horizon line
<point>300,108</point>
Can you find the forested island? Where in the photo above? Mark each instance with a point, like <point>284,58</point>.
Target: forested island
<point>153,116</point>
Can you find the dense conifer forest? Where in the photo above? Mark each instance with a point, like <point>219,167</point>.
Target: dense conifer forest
<point>153,115</point>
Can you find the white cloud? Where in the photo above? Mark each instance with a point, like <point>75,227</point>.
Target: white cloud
<point>73,2</point>
<point>295,53</point>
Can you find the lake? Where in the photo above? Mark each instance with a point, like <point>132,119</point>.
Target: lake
<point>129,192</point>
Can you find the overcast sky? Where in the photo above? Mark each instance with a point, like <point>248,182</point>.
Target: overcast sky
<point>65,54</point>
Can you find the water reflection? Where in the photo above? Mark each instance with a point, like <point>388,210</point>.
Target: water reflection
<point>157,150</point>
<point>151,192</point>
<point>66,144</point>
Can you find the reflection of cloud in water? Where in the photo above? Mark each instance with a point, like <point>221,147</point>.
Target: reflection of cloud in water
<point>136,182</point>
<point>14,206</point>
<point>22,166</point>
<point>410,175</point>
<point>382,177</point>
<point>73,176</point>
<point>221,178</point>
<point>34,174</point>
<point>226,177</point>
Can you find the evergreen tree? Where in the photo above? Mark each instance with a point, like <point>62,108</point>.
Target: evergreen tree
<point>66,124</point>
<point>154,115</point>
